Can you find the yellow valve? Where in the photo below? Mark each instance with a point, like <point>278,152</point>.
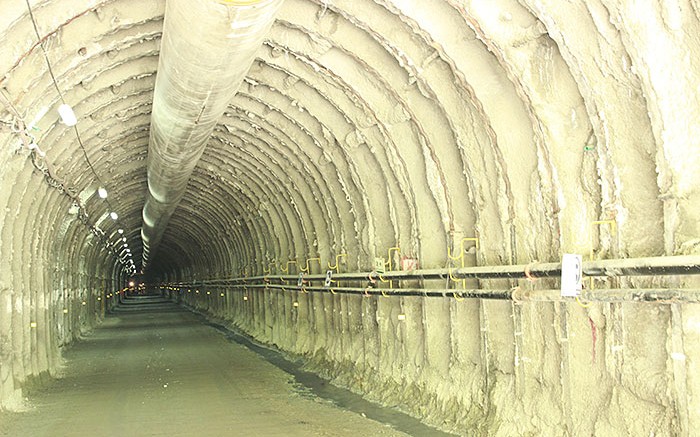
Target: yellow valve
<point>286,269</point>
<point>269,268</point>
<point>307,269</point>
<point>474,239</point>
<point>452,277</point>
<point>337,258</point>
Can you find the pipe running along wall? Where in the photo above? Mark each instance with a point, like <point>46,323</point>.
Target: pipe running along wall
<point>207,47</point>
<point>541,127</point>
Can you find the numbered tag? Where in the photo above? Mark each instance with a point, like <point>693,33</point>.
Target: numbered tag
<point>409,264</point>
<point>379,265</point>
<point>329,278</point>
<point>571,275</point>
<point>300,280</point>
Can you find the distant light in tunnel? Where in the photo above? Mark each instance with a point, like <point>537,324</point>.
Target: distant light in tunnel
<point>67,115</point>
<point>131,283</point>
<point>113,215</point>
<point>102,192</point>
<point>121,231</point>
<point>124,239</point>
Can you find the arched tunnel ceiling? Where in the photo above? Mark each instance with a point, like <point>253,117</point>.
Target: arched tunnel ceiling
<point>364,125</point>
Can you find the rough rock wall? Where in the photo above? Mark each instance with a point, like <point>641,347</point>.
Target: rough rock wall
<point>58,246</point>
<point>372,124</point>
<point>565,121</point>
<point>474,366</point>
<point>54,284</point>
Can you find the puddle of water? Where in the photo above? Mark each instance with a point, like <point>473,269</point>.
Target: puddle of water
<point>343,398</point>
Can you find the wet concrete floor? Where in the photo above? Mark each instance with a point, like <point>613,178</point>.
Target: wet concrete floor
<point>156,369</point>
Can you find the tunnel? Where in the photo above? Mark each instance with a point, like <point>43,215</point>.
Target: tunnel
<point>484,215</point>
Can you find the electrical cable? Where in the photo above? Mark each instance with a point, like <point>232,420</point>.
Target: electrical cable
<point>38,158</point>
<point>60,95</point>
<point>50,178</point>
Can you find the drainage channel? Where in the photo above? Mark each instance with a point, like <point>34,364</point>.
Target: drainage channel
<point>340,397</point>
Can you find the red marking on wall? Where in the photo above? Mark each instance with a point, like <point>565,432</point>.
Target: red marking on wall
<point>594,335</point>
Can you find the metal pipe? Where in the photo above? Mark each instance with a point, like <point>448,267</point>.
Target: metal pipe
<point>662,265</point>
<point>206,50</point>
<point>517,294</point>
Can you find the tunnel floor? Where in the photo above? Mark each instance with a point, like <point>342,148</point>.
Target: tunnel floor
<point>154,368</point>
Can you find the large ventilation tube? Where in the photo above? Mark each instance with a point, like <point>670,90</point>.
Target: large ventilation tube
<point>207,48</point>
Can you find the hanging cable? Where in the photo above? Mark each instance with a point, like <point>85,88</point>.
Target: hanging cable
<point>52,181</point>
<point>60,94</point>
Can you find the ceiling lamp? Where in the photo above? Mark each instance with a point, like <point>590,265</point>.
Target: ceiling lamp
<point>67,115</point>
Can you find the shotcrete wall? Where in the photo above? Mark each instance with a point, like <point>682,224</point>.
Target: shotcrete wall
<point>536,126</point>
<point>479,367</point>
<point>540,127</point>
<point>54,281</point>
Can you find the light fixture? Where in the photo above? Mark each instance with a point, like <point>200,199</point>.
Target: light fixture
<point>67,115</point>
<point>124,239</point>
<point>102,192</point>
<point>121,231</point>
<point>113,215</point>
<point>35,146</point>
<point>126,245</point>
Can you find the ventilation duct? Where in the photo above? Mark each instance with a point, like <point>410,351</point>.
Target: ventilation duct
<point>206,50</point>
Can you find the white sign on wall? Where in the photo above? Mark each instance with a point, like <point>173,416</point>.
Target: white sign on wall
<point>571,275</point>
